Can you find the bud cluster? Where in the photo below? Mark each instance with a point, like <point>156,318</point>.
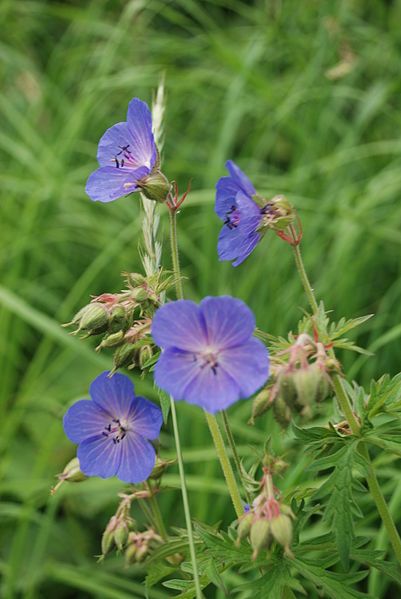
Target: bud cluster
<point>124,319</point>
<point>266,520</point>
<point>140,544</point>
<point>300,379</point>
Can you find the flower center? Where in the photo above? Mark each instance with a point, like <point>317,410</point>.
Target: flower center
<point>232,218</point>
<point>124,157</point>
<point>207,359</point>
<point>116,430</point>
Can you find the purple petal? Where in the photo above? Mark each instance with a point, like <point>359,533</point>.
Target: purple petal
<point>139,121</point>
<point>226,191</point>
<point>113,394</point>
<point>247,207</point>
<point>99,456</point>
<point>247,364</point>
<point>109,183</point>
<point>240,178</point>
<point>248,244</point>
<point>178,324</point>
<point>184,378</point>
<point>111,146</point>
<point>146,418</point>
<point>137,459</point>
<point>229,243</point>
<point>229,322</point>
<point>84,419</point>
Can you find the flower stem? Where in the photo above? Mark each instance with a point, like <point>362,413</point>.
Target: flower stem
<point>346,407</point>
<point>211,420</point>
<point>157,516</point>
<point>185,501</point>
<point>187,511</point>
<point>225,463</point>
<point>231,442</point>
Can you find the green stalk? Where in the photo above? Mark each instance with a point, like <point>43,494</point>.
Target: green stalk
<point>157,516</point>
<point>211,420</point>
<point>237,462</point>
<point>346,407</point>
<point>187,511</point>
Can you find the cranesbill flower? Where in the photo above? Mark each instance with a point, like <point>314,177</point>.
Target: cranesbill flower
<point>209,357</point>
<point>128,159</point>
<point>245,220</point>
<point>113,430</point>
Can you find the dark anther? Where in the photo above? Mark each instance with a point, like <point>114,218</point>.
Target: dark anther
<point>214,369</point>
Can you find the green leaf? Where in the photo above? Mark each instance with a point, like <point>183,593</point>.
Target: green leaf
<point>339,488</point>
<point>374,559</point>
<point>165,403</point>
<point>335,586</point>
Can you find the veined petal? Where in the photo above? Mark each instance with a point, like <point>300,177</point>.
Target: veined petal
<point>111,146</point>
<point>246,247</point>
<point>84,419</point>
<point>247,364</point>
<point>145,418</point>
<point>182,375</point>
<point>137,458</point>
<point>228,321</point>
<point>240,178</point>
<point>178,324</point>
<point>99,456</point>
<point>247,207</point>
<point>226,191</point>
<point>228,243</point>
<point>139,121</point>
<point>113,394</point>
<point>109,183</point>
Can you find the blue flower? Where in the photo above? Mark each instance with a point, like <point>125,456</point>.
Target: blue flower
<point>210,357</point>
<point>241,216</point>
<point>127,155</point>
<point>113,429</point>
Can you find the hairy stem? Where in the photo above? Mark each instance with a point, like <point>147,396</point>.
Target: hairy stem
<point>354,425</point>
<point>237,462</point>
<point>211,420</point>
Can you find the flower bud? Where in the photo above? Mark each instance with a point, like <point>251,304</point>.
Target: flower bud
<point>281,529</point>
<point>139,294</point>
<point>130,554</point>
<point>260,405</point>
<point>71,473</point>
<point>155,187</point>
<point>306,381</point>
<point>260,536</point>
<point>124,356</point>
<point>118,317</point>
<point>134,279</point>
<point>120,535</point>
<point>281,412</point>
<point>93,318</point>
<point>108,535</point>
<point>287,389</point>
<point>145,354</point>
<point>160,467</point>
<point>244,526</point>
<point>111,340</point>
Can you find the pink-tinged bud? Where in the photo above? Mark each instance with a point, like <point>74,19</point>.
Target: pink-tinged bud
<point>306,381</point>
<point>93,319</point>
<point>260,536</point>
<point>108,535</point>
<point>130,554</point>
<point>155,187</point>
<point>281,529</point>
<point>121,535</point>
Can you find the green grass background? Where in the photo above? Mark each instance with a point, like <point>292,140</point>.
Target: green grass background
<point>245,80</point>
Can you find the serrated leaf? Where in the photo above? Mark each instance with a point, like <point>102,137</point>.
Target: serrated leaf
<point>335,586</point>
<point>374,559</point>
<point>340,487</point>
<point>157,572</point>
<point>276,578</point>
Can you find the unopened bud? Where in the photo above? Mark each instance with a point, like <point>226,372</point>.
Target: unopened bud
<point>130,554</point>
<point>260,405</point>
<point>111,340</point>
<point>244,526</point>
<point>139,294</point>
<point>124,356</point>
<point>281,528</point>
<point>260,536</point>
<point>145,354</point>
<point>155,187</point>
<point>160,467</point>
<point>281,412</point>
<point>118,317</point>
<point>94,318</point>
<point>306,381</point>
<point>287,389</point>
<point>120,535</point>
<point>71,474</point>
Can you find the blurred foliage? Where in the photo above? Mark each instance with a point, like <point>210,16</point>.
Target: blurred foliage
<point>305,96</point>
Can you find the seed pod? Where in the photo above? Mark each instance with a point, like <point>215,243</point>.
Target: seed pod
<point>287,389</point>
<point>260,405</point>
<point>260,536</point>
<point>281,412</point>
<point>281,528</point>
<point>323,388</point>
<point>121,535</point>
<point>244,526</point>
<point>155,187</point>
<point>306,381</point>
<point>94,318</point>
